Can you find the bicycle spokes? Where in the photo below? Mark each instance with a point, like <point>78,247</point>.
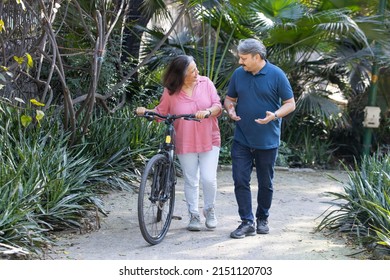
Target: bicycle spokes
<point>156,196</point>
<point>156,200</point>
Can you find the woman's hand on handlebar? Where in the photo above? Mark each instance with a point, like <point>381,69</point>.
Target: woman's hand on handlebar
<point>140,111</point>
<point>202,114</point>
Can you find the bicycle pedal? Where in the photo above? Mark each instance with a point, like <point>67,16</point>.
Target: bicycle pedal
<point>176,218</point>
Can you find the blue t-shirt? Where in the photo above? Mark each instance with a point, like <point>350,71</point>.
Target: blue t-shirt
<point>255,95</point>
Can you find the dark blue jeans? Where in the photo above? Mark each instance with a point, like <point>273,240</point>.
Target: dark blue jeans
<point>244,159</point>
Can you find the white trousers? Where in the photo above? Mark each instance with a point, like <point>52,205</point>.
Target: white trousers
<point>200,168</point>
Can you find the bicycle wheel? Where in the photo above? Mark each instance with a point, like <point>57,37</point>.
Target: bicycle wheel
<point>156,199</point>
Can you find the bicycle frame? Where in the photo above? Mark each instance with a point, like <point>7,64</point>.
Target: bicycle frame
<point>167,147</point>
<point>157,189</point>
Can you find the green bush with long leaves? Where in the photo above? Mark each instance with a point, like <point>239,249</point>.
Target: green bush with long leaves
<point>44,184</point>
<point>48,185</point>
<point>120,144</point>
<point>364,207</point>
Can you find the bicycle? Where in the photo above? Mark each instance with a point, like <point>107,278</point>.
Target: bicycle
<point>156,197</point>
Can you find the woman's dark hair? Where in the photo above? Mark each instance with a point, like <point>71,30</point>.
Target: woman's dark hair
<point>173,78</point>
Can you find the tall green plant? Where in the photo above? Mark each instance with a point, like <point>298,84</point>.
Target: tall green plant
<point>119,144</point>
<point>364,207</point>
<point>44,185</point>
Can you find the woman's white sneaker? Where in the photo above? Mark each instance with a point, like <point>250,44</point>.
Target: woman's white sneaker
<point>194,224</point>
<point>211,220</point>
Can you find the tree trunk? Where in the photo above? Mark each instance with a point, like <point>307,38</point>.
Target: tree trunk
<point>132,41</point>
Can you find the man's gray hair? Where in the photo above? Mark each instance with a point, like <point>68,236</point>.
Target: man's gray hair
<point>252,46</point>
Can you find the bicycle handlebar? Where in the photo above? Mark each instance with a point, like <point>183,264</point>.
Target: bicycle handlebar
<point>190,117</point>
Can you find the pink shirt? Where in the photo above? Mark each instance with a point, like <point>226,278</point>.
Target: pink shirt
<point>193,136</point>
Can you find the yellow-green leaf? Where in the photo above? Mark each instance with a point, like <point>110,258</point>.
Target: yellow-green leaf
<point>30,61</point>
<point>37,103</point>
<point>18,59</point>
<point>26,120</point>
<point>1,25</point>
<point>4,68</point>
<point>21,2</point>
<point>40,114</point>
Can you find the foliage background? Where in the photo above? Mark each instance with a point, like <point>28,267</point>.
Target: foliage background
<point>72,72</point>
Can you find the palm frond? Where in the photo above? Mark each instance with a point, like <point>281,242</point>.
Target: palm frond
<point>315,102</point>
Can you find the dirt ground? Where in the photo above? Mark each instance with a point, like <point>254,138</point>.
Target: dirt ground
<point>299,200</point>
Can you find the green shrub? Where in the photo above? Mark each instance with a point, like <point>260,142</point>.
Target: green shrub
<point>120,144</point>
<point>44,184</point>
<point>364,210</point>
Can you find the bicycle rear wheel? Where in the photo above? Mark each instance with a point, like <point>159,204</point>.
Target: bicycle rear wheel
<point>156,199</point>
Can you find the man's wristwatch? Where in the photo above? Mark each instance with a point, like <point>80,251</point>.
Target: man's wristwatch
<point>276,117</point>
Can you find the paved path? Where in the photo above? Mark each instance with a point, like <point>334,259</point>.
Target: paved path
<point>299,199</point>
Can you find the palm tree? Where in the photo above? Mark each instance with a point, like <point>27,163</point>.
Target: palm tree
<point>322,46</point>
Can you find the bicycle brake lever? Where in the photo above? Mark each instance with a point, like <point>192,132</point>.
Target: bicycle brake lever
<point>147,116</point>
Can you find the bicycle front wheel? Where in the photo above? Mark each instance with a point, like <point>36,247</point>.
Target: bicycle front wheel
<point>156,199</point>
